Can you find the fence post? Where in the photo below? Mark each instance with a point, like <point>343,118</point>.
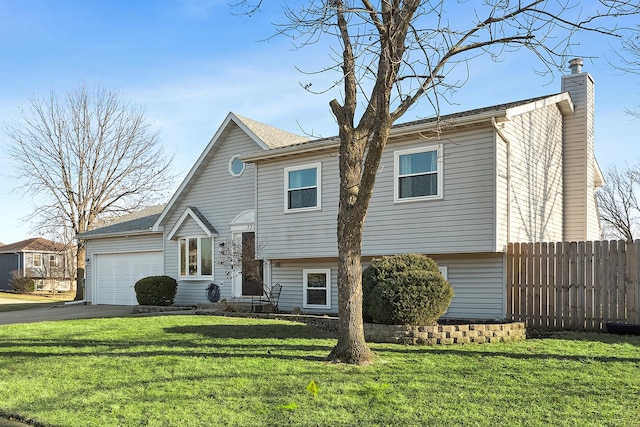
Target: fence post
<point>528,301</point>
<point>588,287</point>
<point>510,281</point>
<point>551,295</point>
<point>636,246</point>
<point>544,278</point>
<point>561,273</point>
<point>613,280</point>
<point>535,287</point>
<point>579,290</point>
<point>631,283</point>
<point>605,283</point>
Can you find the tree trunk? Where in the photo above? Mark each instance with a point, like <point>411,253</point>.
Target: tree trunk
<point>80,264</point>
<point>351,347</point>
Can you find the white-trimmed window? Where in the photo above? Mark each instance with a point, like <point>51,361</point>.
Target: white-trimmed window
<point>37,260</point>
<point>236,165</point>
<point>302,187</point>
<point>418,174</point>
<point>445,272</point>
<point>195,256</point>
<point>53,261</point>
<point>316,285</point>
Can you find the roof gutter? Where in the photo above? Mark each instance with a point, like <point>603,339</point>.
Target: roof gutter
<point>396,131</point>
<point>117,234</point>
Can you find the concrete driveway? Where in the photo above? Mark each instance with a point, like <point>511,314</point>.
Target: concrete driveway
<point>64,312</point>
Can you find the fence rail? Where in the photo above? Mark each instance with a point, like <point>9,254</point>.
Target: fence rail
<point>573,285</point>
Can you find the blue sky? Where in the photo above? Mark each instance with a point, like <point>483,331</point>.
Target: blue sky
<point>190,62</point>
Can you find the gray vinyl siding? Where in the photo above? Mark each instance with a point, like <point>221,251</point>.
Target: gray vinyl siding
<point>190,228</point>
<point>220,197</point>
<point>112,245</point>
<point>303,234</point>
<point>289,274</point>
<point>478,283</point>
<point>463,220</point>
<point>536,176</point>
<point>477,280</point>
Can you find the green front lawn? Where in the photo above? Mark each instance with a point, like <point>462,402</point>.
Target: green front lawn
<point>36,299</point>
<point>212,371</point>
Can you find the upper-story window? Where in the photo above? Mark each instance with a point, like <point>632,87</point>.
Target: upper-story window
<point>302,187</point>
<point>236,166</point>
<point>418,174</point>
<point>37,260</point>
<point>196,256</point>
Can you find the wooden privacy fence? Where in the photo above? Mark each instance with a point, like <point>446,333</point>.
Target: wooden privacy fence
<point>573,285</point>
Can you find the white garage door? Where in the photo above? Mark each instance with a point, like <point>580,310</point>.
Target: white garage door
<point>116,274</point>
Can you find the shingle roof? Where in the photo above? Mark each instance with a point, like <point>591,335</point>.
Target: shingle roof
<point>273,137</point>
<point>444,118</point>
<point>203,218</point>
<point>36,244</point>
<point>135,222</point>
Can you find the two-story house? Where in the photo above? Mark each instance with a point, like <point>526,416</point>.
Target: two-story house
<point>457,188</point>
<point>43,260</point>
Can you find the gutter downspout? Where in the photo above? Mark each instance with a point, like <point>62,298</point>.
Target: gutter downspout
<point>507,142</point>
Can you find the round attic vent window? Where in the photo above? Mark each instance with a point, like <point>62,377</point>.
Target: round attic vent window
<point>236,166</point>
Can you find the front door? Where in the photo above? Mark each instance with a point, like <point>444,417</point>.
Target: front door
<point>251,267</point>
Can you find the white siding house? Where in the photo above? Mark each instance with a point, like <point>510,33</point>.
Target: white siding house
<point>523,171</point>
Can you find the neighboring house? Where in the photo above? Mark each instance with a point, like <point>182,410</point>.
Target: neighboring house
<point>41,259</point>
<point>457,189</point>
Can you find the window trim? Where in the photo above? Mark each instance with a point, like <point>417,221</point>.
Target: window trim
<point>244,165</point>
<point>318,187</point>
<point>439,173</point>
<point>305,272</point>
<point>53,260</point>
<point>40,260</point>
<point>199,276</point>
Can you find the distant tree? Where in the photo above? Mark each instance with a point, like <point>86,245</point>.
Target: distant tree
<point>390,54</point>
<point>618,203</point>
<point>628,59</point>
<point>85,156</point>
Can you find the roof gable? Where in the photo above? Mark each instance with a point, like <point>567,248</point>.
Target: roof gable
<point>266,137</point>
<point>197,216</point>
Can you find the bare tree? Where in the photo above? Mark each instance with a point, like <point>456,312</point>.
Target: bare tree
<point>87,155</point>
<point>618,203</point>
<point>392,53</point>
<point>627,59</point>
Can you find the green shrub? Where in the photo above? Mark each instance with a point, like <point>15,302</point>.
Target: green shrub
<point>404,289</point>
<point>156,290</point>
<point>21,284</point>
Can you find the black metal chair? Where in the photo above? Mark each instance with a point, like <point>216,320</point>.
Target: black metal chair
<point>274,296</point>
<point>271,297</point>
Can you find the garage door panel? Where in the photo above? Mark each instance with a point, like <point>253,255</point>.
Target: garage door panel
<point>116,275</point>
